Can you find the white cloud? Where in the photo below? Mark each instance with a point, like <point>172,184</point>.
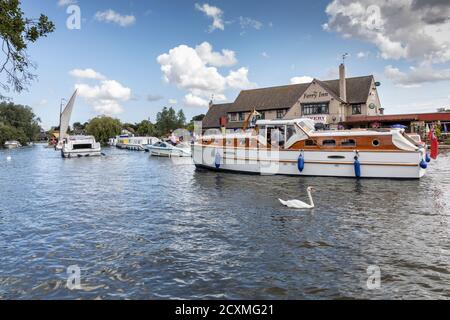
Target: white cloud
<point>416,76</point>
<point>212,12</point>
<point>363,54</point>
<point>86,74</point>
<point>302,79</point>
<point>194,71</point>
<point>411,29</point>
<point>225,59</point>
<point>247,22</point>
<point>106,96</point>
<point>265,54</point>
<point>195,101</point>
<point>173,101</point>
<point>113,17</point>
<point>239,79</point>
<point>64,3</point>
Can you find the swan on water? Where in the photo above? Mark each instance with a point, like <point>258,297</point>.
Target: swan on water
<point>297,204</point>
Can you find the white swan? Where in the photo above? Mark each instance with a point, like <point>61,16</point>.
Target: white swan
<point>297,204</point>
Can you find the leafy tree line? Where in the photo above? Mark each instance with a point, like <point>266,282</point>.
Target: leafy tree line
<point>167,120</point>
<point>19,123</point>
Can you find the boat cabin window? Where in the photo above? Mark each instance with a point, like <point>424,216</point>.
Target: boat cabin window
<point>376,143</point>
<point>329,143</point>
<point>309,143</point>
<point>290,131</point>
<point>348,143</point>
<point>82,146</point>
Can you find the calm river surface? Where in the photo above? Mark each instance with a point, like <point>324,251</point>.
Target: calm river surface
<point>146,228</point>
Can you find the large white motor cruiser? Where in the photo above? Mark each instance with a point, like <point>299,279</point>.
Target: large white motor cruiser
<point>80,146</point>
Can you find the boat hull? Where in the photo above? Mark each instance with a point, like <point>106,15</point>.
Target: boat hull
<point>382,164</point>
<point>80,153</point>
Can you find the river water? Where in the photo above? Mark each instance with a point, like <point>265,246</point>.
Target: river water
<point>139,227</point>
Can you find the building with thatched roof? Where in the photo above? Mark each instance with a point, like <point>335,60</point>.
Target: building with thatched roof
<point>328,102</point>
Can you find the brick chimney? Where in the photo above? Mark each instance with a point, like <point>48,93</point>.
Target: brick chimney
<point>342,83</point>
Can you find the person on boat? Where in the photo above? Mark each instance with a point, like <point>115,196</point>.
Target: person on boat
<point>277,137</point>
<point>173,138</point>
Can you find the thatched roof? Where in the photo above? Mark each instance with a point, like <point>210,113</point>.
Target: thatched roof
<point>215,112</point>
<point>284,97</point>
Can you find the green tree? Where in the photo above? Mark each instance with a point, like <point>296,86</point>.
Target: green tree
<point>181,119</point>
<point>103,128</point>
<point>190,126</point>
<point>18,123</point>
<point>130,127</point>
<point>166,120</point>
<point>17,32</point>
<point>146,128</point>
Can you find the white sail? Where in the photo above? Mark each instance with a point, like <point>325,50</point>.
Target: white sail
<point>65,118</point>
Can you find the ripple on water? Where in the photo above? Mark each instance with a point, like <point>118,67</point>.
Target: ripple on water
<point>146,228</point>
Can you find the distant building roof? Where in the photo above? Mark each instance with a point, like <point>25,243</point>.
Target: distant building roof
<point>284,97</point>
<point>215,112</point>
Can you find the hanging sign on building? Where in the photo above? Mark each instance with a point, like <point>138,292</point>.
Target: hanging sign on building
<point>318,118</point>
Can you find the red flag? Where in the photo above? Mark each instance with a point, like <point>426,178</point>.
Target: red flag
<point>434,144</point>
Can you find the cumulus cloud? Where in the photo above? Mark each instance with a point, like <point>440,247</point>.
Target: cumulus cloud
<point>412,29</point>
<point>113,17</point>
<point>64,3</point>
<point>106,96</point>
<point>173,101</point>
<point>239,79</point>
<point>214,13</point>
<point>194,71</point>
<point>195,101</point>
<point>225,59</point>
<point>416,75</point>
<point>86,74</point>
<point>302,79</point>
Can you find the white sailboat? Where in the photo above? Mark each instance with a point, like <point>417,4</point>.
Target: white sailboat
<point>64,120</point>
<point>74,146</point>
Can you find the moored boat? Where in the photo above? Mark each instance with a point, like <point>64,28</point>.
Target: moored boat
<point>166,149</point>
<point>80,146</point>
<point>134,143</point>
<point>12,144</point>
<point>295,147</point>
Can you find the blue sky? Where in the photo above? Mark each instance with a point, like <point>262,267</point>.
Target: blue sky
<point>268,43</point>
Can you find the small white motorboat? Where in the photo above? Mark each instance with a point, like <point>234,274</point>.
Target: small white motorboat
<point>12,144</point>
<point>166,149</point>
<point>80,146</point>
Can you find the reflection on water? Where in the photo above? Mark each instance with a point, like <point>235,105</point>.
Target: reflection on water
<point>143,228</point>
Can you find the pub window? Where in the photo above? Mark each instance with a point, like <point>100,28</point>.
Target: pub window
<point>356,109</point>
<point>262,115</point>
<point>315,108</point>
<point>280,114</point>
<point>241,116</point>
<point>348,143</point>
<point>329,143</point>
<point>233,117</point>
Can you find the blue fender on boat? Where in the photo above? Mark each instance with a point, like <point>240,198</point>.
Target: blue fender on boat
<point>423,164</point>
<point>427,157</point>
<point>217,160</point>
<point>357,165</point>
<point>301,162</point>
